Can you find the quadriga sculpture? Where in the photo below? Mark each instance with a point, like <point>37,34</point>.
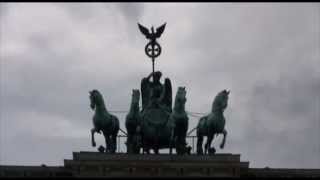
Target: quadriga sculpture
<point>170,134</point>
<point>213,124</point>
<point>156,109</point>
<point>133,120</point>
<point>103,121</point>
<point>179,123</point>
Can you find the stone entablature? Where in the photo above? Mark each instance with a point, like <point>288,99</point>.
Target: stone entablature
<point>93,164</point>
<point>115,165</point>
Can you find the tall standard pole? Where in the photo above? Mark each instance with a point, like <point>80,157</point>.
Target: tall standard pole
<point>153,69</point>
<point>152,52</point>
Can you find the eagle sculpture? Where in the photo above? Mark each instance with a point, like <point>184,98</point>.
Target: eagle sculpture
<point>153,35</point>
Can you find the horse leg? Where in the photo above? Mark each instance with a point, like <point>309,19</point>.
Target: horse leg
<point>208,144</point>
<point>224,132</point>
<point>134,143</point>
<point>93,130</point>
<point>171,141</point>
<point>128,144</point>
<point>145,150</point>
<point>199,144</point>
<point>113,143</point>
<point>137,143</point>
<point>179,145</point>
<point>156,146</point>
<point>184,142</point>
<point>156,150</point>
<point>108,143</point>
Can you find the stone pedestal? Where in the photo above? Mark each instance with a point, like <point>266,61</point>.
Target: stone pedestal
<point>92,164</point>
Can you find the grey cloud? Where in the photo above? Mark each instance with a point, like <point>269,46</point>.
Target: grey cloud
<point>79,11</point>
<point>285,116</point>
<point>132,11</point>
<point>3,9</point>
<point>31,146</point>
<point>267,54</point>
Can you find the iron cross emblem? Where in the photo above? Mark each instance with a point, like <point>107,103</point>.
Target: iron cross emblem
<point>153,48</point>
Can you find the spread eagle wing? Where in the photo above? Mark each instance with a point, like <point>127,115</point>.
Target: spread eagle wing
<point>144,31</point>
<point>145,91</point>
<point>160,30</point>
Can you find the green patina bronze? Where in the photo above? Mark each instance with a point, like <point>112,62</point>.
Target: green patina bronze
<point>157,125</point>
<point>156,109</point>
<point>179,123</point>
<point>103,122</point>
<point>133,122</point>
<point>213,124</point>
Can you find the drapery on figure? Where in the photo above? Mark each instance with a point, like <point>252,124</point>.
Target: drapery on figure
<point>154,94</point>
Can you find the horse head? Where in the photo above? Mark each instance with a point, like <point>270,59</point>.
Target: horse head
<point>220,102</point>
<point>180,97</point>
<point>135,96</point>
<point>95,98</point>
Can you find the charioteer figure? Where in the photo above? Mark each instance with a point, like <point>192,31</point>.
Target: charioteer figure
<point>157,125</point>
<point>155,94</point>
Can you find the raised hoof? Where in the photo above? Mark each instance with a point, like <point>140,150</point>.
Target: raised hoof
<point>101,149</point>
<point>200,152</point>
<point>212,151</point>
<point>189,148</point>
<point>93,144</point>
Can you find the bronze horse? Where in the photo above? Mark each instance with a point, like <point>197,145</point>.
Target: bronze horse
<point>179,123</point>
<point>213,124</point>
<point>133,120</point>
<point>103,121</point>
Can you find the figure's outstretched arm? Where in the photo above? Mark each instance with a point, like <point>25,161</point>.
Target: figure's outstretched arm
<point>150,75</point>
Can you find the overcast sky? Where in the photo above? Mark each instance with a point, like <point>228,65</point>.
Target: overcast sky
<point>268,55</point>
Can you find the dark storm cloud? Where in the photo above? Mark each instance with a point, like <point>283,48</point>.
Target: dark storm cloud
<point>132,11</point>
<point>267,54</point>
<point>40,79</point>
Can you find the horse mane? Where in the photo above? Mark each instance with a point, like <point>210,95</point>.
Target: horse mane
<point>180,93</point>
<point>100,97</point>
<point>135,94</point>
<point>218,99</point>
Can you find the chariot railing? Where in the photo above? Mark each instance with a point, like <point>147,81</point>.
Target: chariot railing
<point>191,139</point>
<point>121,139</point>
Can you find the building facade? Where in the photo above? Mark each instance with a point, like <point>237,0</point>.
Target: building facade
<point>93,164</point>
